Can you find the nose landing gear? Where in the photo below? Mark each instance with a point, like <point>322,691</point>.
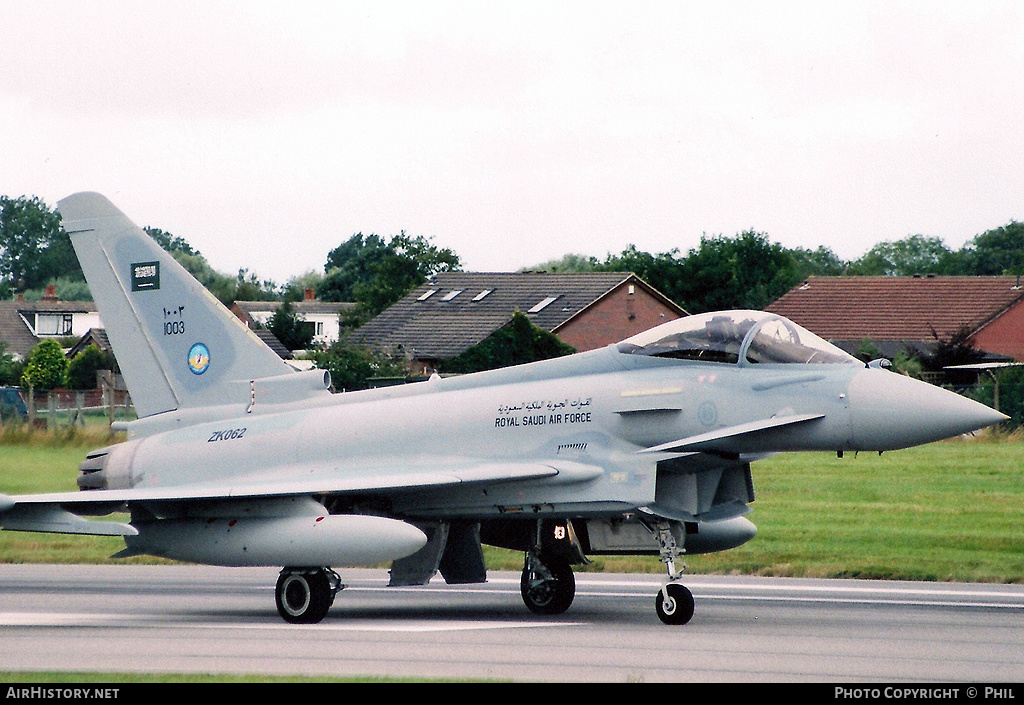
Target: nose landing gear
<point>674,603</point>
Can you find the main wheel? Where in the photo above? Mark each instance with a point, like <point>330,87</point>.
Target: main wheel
<point>304,597</point>
<point>548,595</point>
<point>674,604</point>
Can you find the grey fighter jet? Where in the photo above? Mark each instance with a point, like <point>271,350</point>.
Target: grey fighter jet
<point>644,447</point>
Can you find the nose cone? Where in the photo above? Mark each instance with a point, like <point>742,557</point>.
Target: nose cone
<point>890,411</point>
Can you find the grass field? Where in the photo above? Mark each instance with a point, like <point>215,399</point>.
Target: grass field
<point>950,511</point>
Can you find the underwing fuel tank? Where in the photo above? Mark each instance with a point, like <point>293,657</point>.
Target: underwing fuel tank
<point>321,540</point>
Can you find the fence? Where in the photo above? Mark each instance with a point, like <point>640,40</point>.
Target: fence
<point>64,408</point>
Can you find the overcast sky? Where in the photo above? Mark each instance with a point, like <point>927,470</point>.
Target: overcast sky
<point>267,133</point>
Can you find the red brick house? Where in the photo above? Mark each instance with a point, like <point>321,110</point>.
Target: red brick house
<point>909,312</point>
<point>456,310</point>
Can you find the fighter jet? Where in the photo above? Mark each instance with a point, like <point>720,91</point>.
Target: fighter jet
<point>643,447</point>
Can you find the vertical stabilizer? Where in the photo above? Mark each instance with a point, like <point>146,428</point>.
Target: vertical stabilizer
<point>176,344</point>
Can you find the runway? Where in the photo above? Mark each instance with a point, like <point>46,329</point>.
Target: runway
<point>223,620</point>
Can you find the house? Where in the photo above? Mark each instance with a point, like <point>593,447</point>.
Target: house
<point>23,324</point>
<point>897,313</point>
<point>455,310</point>
<point>321,316</point>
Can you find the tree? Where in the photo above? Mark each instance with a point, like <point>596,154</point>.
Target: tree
<point>996,252</point>
<point>352,366</point>
<point>292,331</point>
<point>46,366</point>
<point>375,274</point>
<point>33,248</point>
<point>821,262</point>
<point>83,368</point>
<point>958,349</point>
<point>516,343</point>
<point>170,243</point>
<point>747,271</point>
<point>10,369</point>
<point>570,263</point>
<point>913,255</point>
<point>662,271</point>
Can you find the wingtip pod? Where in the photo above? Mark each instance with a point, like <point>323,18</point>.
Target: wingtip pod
<point>6,503</point>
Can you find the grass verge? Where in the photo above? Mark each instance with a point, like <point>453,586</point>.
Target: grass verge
<point>949,511</point>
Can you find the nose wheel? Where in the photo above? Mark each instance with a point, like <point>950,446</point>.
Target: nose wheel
<point>674,604</point>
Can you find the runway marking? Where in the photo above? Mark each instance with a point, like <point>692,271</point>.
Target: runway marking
<point>85,619</point>
<point>882,594</point>
<point>909,597</point>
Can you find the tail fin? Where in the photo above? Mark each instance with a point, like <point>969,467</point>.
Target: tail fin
<point>176,344</point>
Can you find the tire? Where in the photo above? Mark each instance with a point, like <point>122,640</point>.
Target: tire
<point>674,604</point>
<point>552,596</point>
<point>303,597</point>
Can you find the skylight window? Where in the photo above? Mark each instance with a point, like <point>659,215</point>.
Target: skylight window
<point>541,305</point>
<point>482,294</point>
<point>430,292</point>
<point>451,295</point>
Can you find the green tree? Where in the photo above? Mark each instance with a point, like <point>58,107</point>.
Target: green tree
<point>518,342</point>
<point>746,271</point>
<point>821,262</point>
<point>914,255</point>
<point>46,366</point>
<point>570,263</point>
<point>170,243</point>
<point>375,273</point>
<point>289,328</point>
<point>662,271</point>
<point>83,367</point>
<point>995,252</point>
<point>353,366</point>
<point>10,369</point>
<point>33,248</point>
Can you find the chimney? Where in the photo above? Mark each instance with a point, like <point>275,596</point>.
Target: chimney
<point>310,294</point>
<point>51,293</point>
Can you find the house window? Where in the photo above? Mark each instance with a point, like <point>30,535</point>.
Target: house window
<point>54,323</point>
<point>451,295</point>
<point>542,304</point>
<point>482,294</point>
<point>430,292</point>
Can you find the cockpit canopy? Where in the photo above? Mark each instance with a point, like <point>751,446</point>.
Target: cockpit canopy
<point>736,337</point>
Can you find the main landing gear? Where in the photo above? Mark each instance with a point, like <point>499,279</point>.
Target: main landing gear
<point>305,594</point>
<point>548,585</point>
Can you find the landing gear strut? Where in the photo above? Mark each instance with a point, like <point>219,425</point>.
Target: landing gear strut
<point>304,595</point>
<point>674,603</point>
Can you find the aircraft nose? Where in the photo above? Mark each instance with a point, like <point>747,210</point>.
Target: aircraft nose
<point>890,411</point>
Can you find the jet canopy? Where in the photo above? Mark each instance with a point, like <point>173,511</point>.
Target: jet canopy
<point>736,337</point>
